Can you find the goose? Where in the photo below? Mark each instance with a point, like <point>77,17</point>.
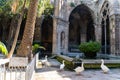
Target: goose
<point>62,65</point>
<point>45,60</point>
<point>104,67</point>
<point>79,69</point>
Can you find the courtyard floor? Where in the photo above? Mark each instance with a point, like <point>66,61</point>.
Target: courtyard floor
<point>53,73</point>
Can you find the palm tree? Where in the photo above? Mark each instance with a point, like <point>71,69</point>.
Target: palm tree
<point>17,32</point>
<point>17,12</point>
<point>25,48</point>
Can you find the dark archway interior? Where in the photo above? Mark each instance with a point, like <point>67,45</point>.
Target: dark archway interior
<point>47,33</point>
<point>81,23</point>
<point>1,33</point>
<point>22,29</point>
<point>105,33</point>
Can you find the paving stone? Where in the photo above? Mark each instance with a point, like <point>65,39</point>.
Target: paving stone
<point>53,73</point>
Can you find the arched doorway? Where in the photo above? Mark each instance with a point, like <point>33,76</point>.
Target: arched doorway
<point>46,34</point>
<point>81,27</point>
<point>105,29</point>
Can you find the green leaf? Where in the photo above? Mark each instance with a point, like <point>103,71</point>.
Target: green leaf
<point>36,46</point>
<point>3,48</point>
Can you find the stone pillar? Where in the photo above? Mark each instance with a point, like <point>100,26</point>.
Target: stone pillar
<point>66,38</point>
<point>117,34</point>
<point>55,22</point>
<point>58,40</point>
<point>98,32</point>
<point>112,34</point>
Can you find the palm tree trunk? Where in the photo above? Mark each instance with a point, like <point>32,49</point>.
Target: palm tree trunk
<point>17,32</point>
<point>25,48</point>
<point>12,30</point>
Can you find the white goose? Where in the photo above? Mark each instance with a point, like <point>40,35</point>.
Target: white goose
<point>62,65</point>
<point>79,69</point>
<point>104,67</point>
<point>45,60</point>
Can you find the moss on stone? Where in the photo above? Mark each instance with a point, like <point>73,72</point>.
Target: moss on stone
<point>68,64</point>
<point>97,66</point>
<point>71,64</point>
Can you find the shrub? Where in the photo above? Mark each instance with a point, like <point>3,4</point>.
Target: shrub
<point>90,48</point>
<point>3,49</point>
<point>35,47</point>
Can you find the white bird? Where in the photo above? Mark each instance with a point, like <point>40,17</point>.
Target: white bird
<point>104,67</point>
<point>62,65</point>
<point>44,60</point>
<point>79,69</point>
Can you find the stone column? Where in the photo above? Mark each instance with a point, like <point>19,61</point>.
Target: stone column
<point>66,38</point>
<point>58,40</point>
<point>112,34</point>
<point>98,32</point>
<point>117,34</point>
<point>55,22</point>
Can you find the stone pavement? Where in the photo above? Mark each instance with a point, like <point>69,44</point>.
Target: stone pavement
<point>53,73</point>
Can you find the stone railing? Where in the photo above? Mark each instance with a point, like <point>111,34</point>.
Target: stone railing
<point>17,68</point>
<point>31,68</point>
<point>3,68</point>
<point>10,70</point>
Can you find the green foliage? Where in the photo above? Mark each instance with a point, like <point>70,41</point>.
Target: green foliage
<point>36,46</point>
<point>90,47</point>
<point>4,6</point>
<point>3,49</point>
<point>20,5</point>
<point>44,7</point>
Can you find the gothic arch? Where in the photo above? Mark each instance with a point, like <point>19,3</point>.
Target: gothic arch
<point>91,10</point>
<point>105,27</point>
<point>81,26</point>
<point>46,34</point>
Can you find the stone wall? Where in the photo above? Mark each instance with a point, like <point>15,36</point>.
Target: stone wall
<point>67,6</point>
